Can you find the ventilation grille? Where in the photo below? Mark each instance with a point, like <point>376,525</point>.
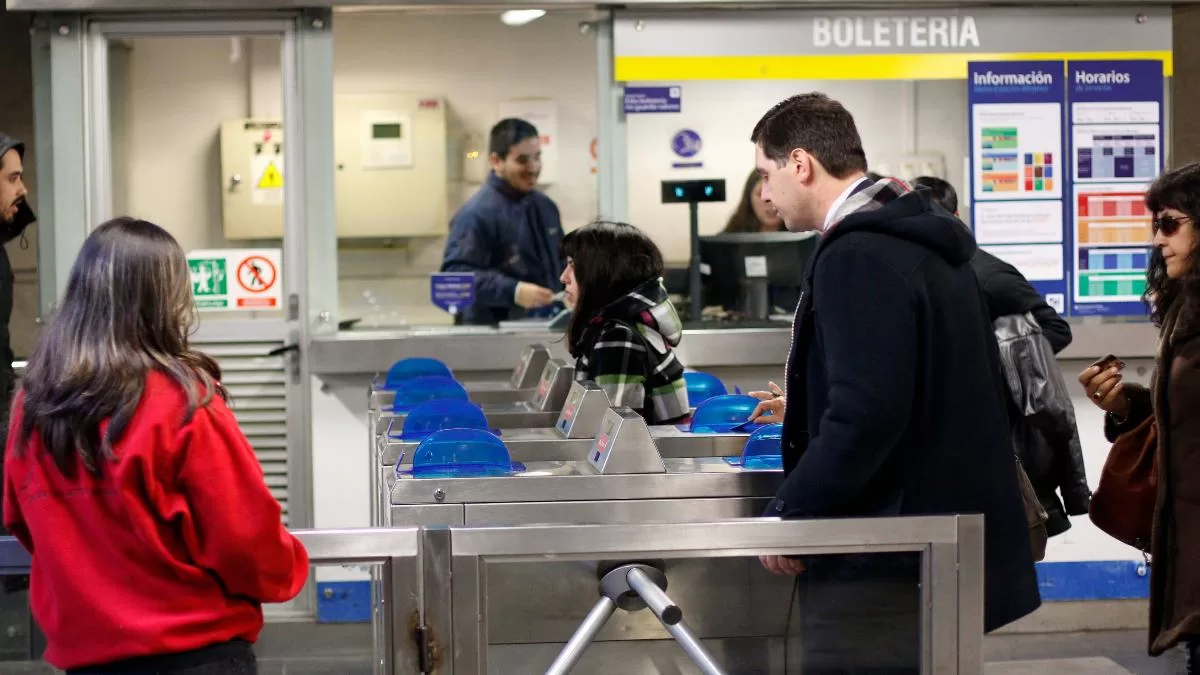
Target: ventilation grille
<point>257,386</point>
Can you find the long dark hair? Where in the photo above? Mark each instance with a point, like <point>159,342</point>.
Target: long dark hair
<point>611,260</point>
<point>1177,189</point>
<point>128,310</point>
<point>743,218</point>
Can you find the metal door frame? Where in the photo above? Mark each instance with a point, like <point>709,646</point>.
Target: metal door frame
<point>71,81</point>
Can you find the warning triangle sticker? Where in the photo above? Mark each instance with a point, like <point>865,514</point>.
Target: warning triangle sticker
<point>271,178</point>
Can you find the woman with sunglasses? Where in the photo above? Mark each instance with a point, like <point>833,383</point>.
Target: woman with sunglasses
<point>1173,296</point>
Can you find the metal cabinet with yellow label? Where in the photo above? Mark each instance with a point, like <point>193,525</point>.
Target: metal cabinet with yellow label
<point>252,180</point>
<point>391,179</point>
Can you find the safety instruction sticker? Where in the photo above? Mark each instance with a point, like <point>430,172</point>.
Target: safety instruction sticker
<point>267,177</point>
<point>236,279</point>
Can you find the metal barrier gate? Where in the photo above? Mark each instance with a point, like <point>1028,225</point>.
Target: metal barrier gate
<point>445,591</point>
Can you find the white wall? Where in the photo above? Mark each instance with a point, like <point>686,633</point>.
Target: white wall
<point>179,90</point>
<point>724,113</point>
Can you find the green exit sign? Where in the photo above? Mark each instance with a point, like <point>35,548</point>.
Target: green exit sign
<point>210,283</point>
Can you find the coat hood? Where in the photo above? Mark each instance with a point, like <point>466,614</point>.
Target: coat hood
<point>647,305</point>
<point>890,207</point>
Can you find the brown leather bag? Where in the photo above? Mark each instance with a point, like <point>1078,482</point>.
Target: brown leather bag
<point>1035,514</point>
<point>1123,504</point>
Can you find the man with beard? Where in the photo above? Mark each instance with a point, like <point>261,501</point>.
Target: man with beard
<point>507,234</point>
<point>15,216</point>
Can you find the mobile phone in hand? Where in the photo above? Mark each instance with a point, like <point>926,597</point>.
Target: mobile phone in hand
<point>1109,362</point>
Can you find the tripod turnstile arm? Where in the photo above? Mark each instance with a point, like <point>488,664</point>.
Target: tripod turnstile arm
<point>583,636</point>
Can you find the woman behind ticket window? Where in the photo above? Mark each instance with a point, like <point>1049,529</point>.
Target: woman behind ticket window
<point>153,536</point>
<point>752,213</point>
<point>624,328</point>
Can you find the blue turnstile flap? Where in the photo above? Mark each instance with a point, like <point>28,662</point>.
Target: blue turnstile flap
<point>412,368</point>
<point>763,450</point>
<point>724,414</point>
<point>414,392</point>
<point>436,415</point>
<point>461,453</point>
<point>701,387</point>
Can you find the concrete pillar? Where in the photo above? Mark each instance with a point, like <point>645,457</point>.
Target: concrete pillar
<point>17,119</point>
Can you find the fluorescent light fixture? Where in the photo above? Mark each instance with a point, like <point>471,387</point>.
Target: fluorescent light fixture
<point>520,17</point>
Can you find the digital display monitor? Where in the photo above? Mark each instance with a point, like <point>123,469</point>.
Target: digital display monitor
<point>686,191</point>
<point>391,130</point>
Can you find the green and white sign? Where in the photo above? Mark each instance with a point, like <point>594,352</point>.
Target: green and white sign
<point>236,279</point>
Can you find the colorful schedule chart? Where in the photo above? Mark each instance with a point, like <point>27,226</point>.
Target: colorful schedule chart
<point>1116,151</point>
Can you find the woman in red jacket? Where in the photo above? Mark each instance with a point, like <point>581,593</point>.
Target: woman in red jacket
<point>153,536</point>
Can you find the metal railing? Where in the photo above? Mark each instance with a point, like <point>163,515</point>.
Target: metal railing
<point>433,615</point>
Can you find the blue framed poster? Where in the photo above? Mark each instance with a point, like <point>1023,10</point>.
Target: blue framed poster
<point>1116,140</point>
<point>1018,173</point>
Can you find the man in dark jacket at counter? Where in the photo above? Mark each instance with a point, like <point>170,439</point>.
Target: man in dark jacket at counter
<point>898,398</point>
<point>1042,415</point>
<point>507,234</point>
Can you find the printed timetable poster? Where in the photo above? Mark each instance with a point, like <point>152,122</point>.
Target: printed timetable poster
<point>1018,174</point>
<point>1116,122</point>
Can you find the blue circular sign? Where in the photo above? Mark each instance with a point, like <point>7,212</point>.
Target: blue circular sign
<point>686,143</point>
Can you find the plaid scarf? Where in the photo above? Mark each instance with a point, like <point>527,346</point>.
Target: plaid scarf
<point>627,349</point>
<point>871,198</point>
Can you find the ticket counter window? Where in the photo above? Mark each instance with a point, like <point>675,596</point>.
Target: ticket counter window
<point>416,95</point>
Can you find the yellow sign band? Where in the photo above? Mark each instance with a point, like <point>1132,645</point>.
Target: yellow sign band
<point>952,66</point>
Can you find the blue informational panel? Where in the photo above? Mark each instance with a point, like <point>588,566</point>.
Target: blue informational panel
<point>1018,173</point>
<point>653,100</point>
<point>1116,140</point>
<point>452,291</point>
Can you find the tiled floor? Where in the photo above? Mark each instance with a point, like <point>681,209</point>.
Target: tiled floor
<point>294,650</point>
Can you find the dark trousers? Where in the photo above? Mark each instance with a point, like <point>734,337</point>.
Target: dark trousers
<point>861,615</point>
<point>229,658</point>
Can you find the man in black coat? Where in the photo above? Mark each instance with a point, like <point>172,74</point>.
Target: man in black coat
<point>1045,437</point>
<point>15,216</point>
<point>897,396</point>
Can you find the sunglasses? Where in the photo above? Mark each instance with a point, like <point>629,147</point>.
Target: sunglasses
<point>1168,225</point>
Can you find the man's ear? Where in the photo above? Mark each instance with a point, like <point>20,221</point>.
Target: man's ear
<point>804,165</point>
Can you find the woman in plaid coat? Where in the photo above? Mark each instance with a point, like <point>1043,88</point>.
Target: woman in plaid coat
<point>624,329</point>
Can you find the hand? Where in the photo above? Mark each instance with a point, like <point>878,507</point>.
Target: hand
<point>772,404</point>
<point>1106,389</point>
<point>777,564</point>
<point>532,296</point>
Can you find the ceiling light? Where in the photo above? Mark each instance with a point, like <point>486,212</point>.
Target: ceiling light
<point>520,17</point>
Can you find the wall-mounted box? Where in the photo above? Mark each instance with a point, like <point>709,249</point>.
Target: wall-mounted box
<point>391,171</point>
<point>252,179</point>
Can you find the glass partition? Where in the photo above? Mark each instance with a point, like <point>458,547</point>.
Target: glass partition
<point>416,93</point>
